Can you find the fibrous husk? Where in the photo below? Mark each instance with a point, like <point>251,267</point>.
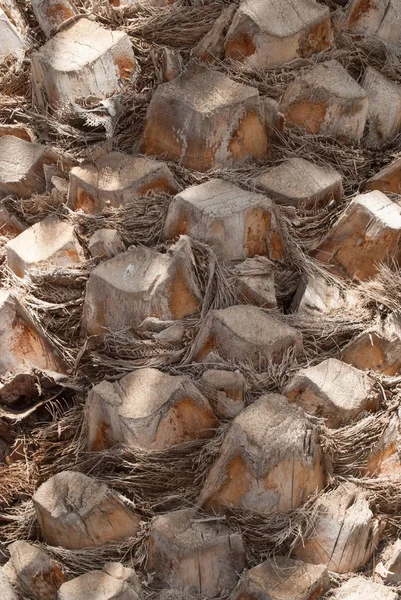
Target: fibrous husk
<point>350,447</point>
<point>266,535</point>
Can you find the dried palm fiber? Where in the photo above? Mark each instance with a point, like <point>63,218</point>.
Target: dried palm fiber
<point>134,99</point>
<point>187,177</point>
<point>385,498</point>
<point>349,448</point>
<point>18,523</point>
<point>266,535</point>
<point>155,480</point>
<point>67,138</point>
<point>7,433</point>
<point>111,354</point>
<point>56,296</point>
<point>37,207</point>
<point>138,222</point>
<point>333,4</point>
<point>273,377</point>
<point>178,473</point>
<point>17,483</point>
<point>15,70</point>
<point>268,377</point>
<point>286,280</point>
<point>193,370</point>
<point>14,82</point>
<point>77,562</point>
<point>57,285</point>
<point>325,334</point>
<point>4,277</point>
<point>297,240</point>
<point>53,299</point>
<point>39,398</point>
<point>181,25</point>
<point>185,594</point>
<point>58,441</point>
<point>36,34</point>
<point>384,290</point>
<point>309,226</point>
<point>214,279</point>
<point>87,6</point>
<point>370,50</point>
<point>11,109</point>
<point>41,445</point>
<point>45,315</point>
<point>72,129</point>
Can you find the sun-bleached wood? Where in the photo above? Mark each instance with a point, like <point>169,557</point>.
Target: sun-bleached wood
<point>147,409</point>
<point>267,35</point>
<point>203,120</point>
<point>115,179</point>
<point>244,333</point>
<point>76,511</point>
<point>67,71</point>
<point>366,234</point>
<point>345,533</point>
<point>123,291</point>
<point>270,461</point>
<point>47,244</point>
<point>327,100</point>
<point>188,550</point>
<point>236,223</point>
